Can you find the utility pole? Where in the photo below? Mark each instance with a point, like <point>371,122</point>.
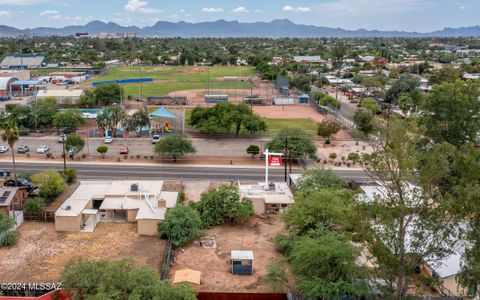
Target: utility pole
<point>286,157</point>
<point>64,153</point>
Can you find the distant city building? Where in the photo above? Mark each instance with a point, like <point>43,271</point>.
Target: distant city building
<point>81,34</point>
<point>308,59</point>
<point>22,62</point>
<point>471,76</point>
<point>117,35</point>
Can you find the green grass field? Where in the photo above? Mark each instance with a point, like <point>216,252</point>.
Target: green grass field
<point>169,79</point>
<point>275,125</point>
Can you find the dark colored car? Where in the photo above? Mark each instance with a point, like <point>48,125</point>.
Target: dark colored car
<point>21,182</point>
<point>23,149</point>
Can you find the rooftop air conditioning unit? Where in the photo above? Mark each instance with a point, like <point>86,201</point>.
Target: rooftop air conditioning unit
<point>134,187</point>
<point>271,186</point>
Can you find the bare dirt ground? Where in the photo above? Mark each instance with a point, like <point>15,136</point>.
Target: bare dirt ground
<point>41,252</point>
<point>341,148</point>
<point>193,190</point>
<point>289,112</point>
<point>214,264</point>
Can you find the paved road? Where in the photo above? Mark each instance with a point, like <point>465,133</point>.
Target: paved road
<point>90,171</point>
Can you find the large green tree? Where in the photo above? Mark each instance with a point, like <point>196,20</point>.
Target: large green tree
<point>108,94</point>
<point>319,179</point>
<point>411,224</point>
<point>223,204</point>
<point>327,128</point>
<point>296,140</point>
<point>224,116</point>
<point>74,143</point>
<point>106,279</point>
<point>405,84</point>
<point>450,113</point>
<point>68,120</point>
<point>363,119</point>
<point>110,118</point>
<point>176,146</point>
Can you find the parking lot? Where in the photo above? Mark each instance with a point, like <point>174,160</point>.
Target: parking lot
<point>142,146</point>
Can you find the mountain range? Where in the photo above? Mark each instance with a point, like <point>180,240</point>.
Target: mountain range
<point>222,28</point>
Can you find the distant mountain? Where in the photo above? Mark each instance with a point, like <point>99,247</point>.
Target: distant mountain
<point>222,28</point>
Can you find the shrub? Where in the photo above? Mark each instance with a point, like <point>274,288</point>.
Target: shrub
<point>253,150</point>
<point>34,205</point>
<point>354,157</point>
<point>102,150</point>
<point>51,184</point>
<point>182,224</point>
<point>332,155</point>
<point>8,239</point>
<point>70,175</point>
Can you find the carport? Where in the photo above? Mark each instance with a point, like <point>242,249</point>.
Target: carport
<point>90,220</point>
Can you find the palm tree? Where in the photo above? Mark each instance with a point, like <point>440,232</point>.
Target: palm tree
<point>10,133</point>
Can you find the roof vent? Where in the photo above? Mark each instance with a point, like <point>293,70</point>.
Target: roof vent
<point>134,187</point>
<point>68,207</point>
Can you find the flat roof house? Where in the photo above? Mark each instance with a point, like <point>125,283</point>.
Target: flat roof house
<point>12,198</point>
<point>272,200</point>
<point>142,202</point>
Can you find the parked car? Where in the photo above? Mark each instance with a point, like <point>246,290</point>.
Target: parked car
<point>72,151</point>
<point>108,140</point>
<point>61,138</point>
<point>23,149</point>
<point>43,149</point>
<point>4,149</point>
<point>21,182</point>
<point>124,150</point>
<point>155,139</point>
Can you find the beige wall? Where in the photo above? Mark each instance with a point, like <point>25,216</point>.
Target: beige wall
<point>132,215</point>
<point>68,223</point>
<point>147,227</point>
<point>258,205</point>
<point>450,283</point>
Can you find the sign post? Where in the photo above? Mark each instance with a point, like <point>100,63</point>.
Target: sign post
<point>271,159</point>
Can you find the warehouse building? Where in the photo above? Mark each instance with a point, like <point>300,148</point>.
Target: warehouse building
<point>62,96</point>
<point>22,62</point>
<point>6,85</point>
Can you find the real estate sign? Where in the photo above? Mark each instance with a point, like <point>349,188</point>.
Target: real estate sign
<point>275,161</point>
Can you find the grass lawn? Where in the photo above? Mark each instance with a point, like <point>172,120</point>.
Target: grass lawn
<point>275,125</point>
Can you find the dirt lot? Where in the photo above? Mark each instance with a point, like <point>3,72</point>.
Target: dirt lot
<point>289,112</point>
<point>41,252</point>
<point>214,264</point>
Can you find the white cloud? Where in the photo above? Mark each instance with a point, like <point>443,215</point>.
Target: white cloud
<point>365,8</point>
<point>182,10</point>
<point>173,17</point>
<point>49,12</point>
<point>289,8</point>
<point>258,11</point>
<point>240,9</point>
<point>5,14</point>
<point>212,9</point>
<point>463,7</point>
<point>138,6</point>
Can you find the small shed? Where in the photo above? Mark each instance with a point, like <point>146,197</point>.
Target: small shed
<point>188,276</point>
<point>242,262</point>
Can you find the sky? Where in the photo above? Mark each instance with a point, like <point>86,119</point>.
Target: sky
<point>408,15</point>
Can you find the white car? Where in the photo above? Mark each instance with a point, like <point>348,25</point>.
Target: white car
<point>108,140</point>
<point>4,149</point>
<point>155,139</point>
<point>43,149</point>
